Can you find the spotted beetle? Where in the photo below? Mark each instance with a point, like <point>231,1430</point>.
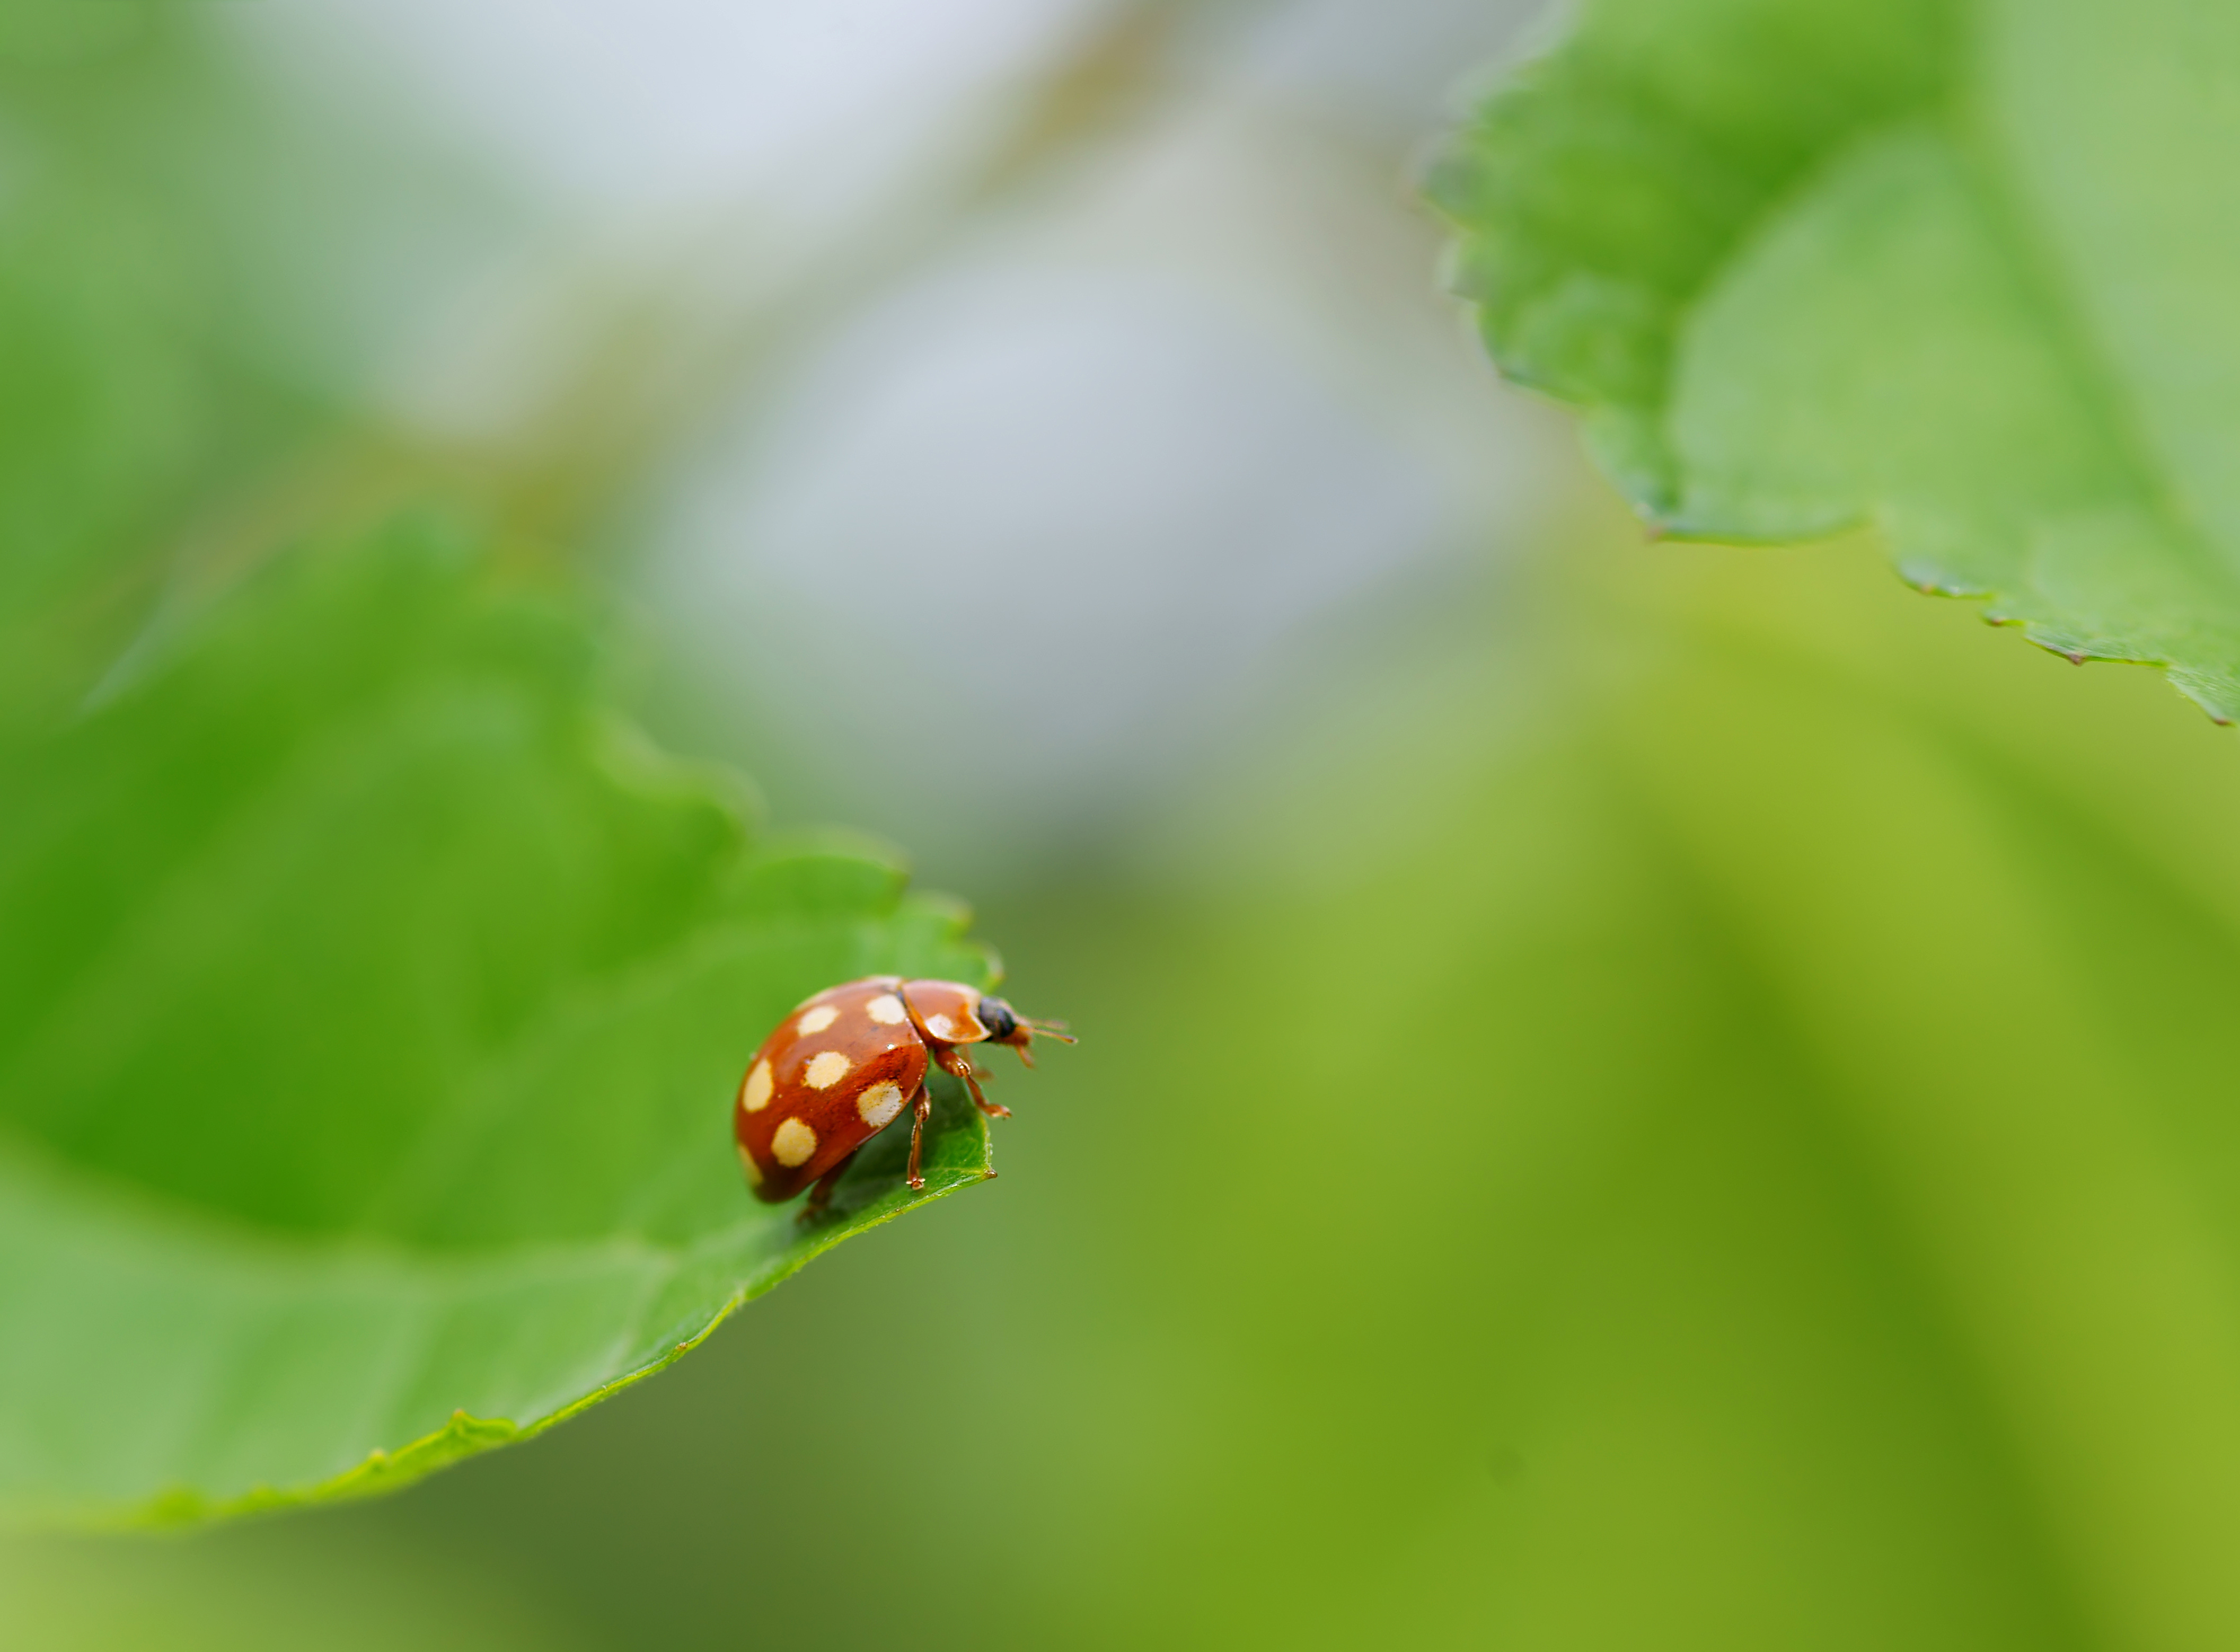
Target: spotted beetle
<point>845,1063</point>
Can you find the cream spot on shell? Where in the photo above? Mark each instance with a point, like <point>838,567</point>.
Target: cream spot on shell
<point>879,1104</point>
<point>941,1026</point>
<point>747,1163</point>
<point>819,1019</point>
<point>826,1069</point>
<point>887,1010</point>
<point>792,1142</point>
<point>756,1097</point>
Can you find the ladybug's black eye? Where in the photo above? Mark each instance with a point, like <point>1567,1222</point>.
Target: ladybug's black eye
<point>996,1015</point>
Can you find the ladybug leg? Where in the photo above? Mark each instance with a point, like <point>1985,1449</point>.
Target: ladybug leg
<point>821,1194</point>
<point>955,1061</point>
<point>921,1110</point>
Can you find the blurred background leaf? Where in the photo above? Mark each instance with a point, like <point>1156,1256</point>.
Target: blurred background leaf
<point>280,1593</point>
<point>1958,271</point>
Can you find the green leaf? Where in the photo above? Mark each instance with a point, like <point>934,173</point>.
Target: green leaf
<point>371,1006</point>
<point>1960,272</point>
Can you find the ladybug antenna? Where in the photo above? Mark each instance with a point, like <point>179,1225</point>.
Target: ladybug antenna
<point>1052,1030</point>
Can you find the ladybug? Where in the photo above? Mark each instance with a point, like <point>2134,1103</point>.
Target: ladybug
<point>846,1063</point>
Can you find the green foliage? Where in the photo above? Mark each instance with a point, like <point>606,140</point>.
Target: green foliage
<point>371,1004</point>
<point>143,381</point>
<point>1961,272</point>
<point>281,1591</point>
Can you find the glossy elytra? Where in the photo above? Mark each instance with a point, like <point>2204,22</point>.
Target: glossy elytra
<point>848,1063</point>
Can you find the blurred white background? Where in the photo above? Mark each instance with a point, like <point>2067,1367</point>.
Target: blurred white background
<point>1057,381</point>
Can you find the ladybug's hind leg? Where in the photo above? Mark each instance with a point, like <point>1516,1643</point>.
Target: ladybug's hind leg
<point>821,1194</point>
<point>921,1110</point>
<point>955,1061</point>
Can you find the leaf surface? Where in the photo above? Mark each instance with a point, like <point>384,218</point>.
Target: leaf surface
<point>370,1007</point>
<point>1961,272</point>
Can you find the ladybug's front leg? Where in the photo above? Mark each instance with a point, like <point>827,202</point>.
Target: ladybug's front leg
<point>956,1061</point>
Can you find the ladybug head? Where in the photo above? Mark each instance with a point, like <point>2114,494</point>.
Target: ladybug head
<point>1003,1023</point>
<point>1007,1026</point>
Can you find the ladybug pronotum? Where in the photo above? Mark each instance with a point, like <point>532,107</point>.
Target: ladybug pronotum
<point>846,1063</point>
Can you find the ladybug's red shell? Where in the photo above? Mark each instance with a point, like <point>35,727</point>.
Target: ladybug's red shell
<point>847,1062</point>
<point>838,1071</point>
